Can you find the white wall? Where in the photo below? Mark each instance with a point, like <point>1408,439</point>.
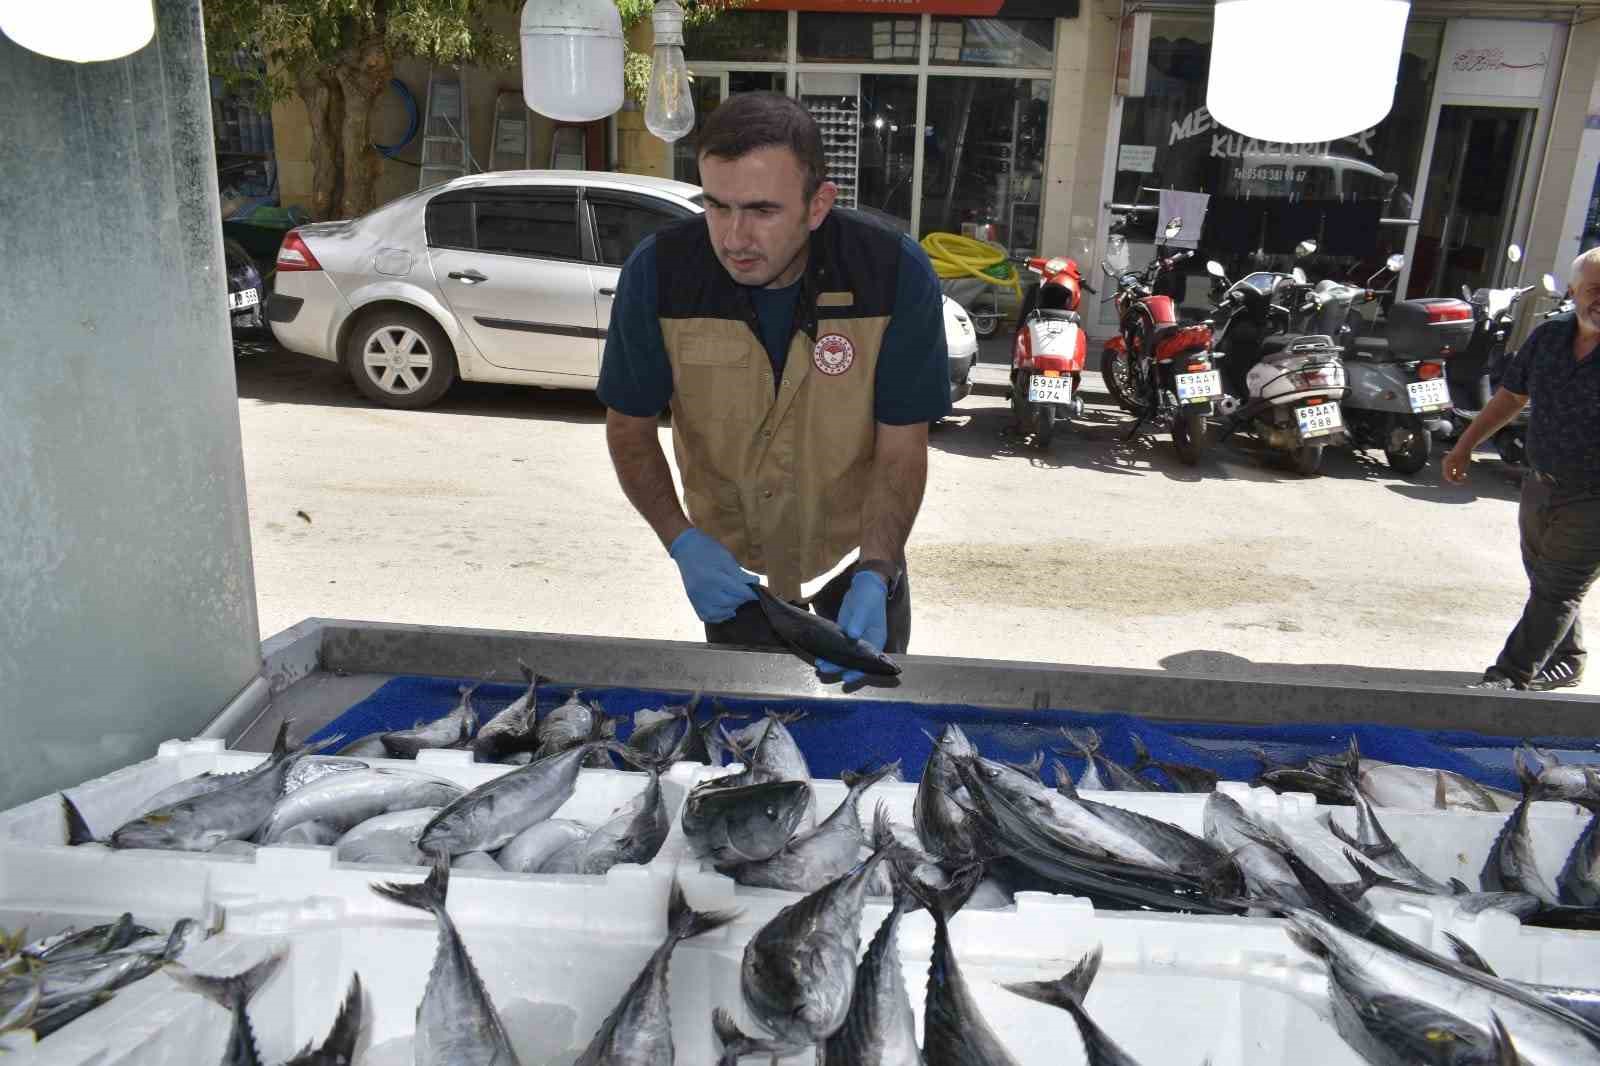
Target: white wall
<point>127,603</point>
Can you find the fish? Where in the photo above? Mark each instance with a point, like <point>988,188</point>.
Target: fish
<point>515,727</point>
<point>570,724</point>
<point>46,1023</point>
<point>1392,1030</point>
<point>453,730</point>
<point>744,824</point>
<point>1326,789</point>
<point>797,973</point>
<point>387,838</point>
<point>815,637</point>
<point>1584,1002</point>
<point>200,784</point>
<point>662,737</point>
<point>486,818</point>
<point>75,944</point>
<point>1546,777</point>
<point>1186,777</point>
<point>457,1024</point>
<point>19,1001</point>
<point>479,861</point>
<point>1086,742</point>
<point>940,809</point>
<point>310,832</point>
<point>1069,993</point>
<point>954,1032</point>
<point>338,1048</point>
<point>344,801</point>
<point>814,858</point>
<point>242,848</point>
<point>1512,865</point>
<point>1421,788</point>
<point>1377,847</point>
<point>529,849</point>
<point>1113,776</point>
<point>367,747</point>
<point>880,1028</point>
<point>564,861</point>
<point>314,768</point>
<point>234,993</point>
<point>638,1031</point>
<point>778,752</point>
<point>1578,884</point>
<point>633,833</point>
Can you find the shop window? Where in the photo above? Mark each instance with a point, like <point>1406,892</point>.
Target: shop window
<point>735,35</point>
<point>829,38</point>
<point>993,42</point>
<point>983,160</point>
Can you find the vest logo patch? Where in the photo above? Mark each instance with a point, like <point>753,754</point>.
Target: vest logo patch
<point>833,354</point>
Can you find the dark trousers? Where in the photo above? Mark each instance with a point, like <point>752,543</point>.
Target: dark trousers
<point>749,625</point>
<point>1561,553</point>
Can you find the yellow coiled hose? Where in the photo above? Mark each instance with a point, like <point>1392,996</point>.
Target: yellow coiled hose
<point>955,256</point>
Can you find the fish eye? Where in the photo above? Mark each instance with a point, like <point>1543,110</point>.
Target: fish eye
<point>990,772</point>
<point>772,814</point>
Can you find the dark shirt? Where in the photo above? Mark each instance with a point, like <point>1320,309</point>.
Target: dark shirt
<point>913,375</point>
<point>1564,403</point>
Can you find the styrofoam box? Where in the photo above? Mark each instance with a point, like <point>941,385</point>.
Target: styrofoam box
<point>40,872</point>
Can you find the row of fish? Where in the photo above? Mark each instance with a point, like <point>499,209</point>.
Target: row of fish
<point>49,982</point>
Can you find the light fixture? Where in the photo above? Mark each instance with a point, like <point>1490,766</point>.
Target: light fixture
<point>571,58</point>
<point>79,31</point>
<point>669,108</point>
<point>1353,52</point>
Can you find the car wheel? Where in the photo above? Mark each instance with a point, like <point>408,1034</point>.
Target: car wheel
<point>400,358</point>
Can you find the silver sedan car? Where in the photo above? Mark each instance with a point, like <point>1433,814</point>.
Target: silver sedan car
<point>505,277</point>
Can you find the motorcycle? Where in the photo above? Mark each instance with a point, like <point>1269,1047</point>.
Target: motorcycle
<point>1289,395</point>
<point>1475,375</point>
<point>1048,351</point>
<point>1397,393</point>
<point>1158,368</point>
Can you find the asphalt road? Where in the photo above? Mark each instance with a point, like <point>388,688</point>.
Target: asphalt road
<point>498,508</point>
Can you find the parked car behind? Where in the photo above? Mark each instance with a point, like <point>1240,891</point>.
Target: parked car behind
<point>245,292</point>
<point>505,277</point>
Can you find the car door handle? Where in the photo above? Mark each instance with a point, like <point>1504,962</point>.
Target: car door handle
<point>471,277</point>
<point>608,292</point>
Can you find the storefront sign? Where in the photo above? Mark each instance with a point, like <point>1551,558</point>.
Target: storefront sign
<point>1229,145</point>
<point>1064,9</point>
<point>1139,157</point>
<point>1495,57</point>
<point>1133,54</point>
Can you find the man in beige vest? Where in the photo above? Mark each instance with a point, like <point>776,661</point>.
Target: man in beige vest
<point>801,349</point>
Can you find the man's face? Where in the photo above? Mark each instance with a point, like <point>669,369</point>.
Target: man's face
<point>1586,296</point>
<point>759,215</point>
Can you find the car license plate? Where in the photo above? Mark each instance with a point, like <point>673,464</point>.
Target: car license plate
<point>1318,420</point>
<point>1198,388</point>
<point>1049,390</point>
<point>237,301</point>
<point>1431,395</point>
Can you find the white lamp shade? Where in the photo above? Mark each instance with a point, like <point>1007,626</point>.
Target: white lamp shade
<point>572,58</point>
<point>80,31</point>
<point>1304,70</point>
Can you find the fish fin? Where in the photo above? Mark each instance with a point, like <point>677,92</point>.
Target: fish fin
<point>684,922</point>
<point>426,895</point>
<point>1309,944</point>
<point>280,741</point>
<point>736,1045</point>
<point>233,989</point>
<point>1064,783</point>
<point>944,902</point>
<point>859,783</point>
<point>1459,887</point>
<point>1066,992</point>
<point>174,945</point>
<point>340,1043</point>
<point>1031,767</point>
<point>1524,760</point>
<point>1468,956</point>
<point>78,831</point>
<point>1370,877</point>
<point>786,719</point>
<point>1505,1052</point>
<point>1085,739</point>
<point>1141,754</point>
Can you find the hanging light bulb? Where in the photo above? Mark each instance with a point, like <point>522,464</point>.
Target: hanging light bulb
<point>79,31</point>
<point>1355,54</point>
<point>669,109</point>
<point>572,58</point>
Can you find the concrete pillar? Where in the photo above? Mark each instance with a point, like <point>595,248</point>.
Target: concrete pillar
<point>1567,176</point>
<point>1079,120</point>
<point>127,602</point>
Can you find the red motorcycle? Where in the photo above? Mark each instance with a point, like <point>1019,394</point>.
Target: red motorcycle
<point>1049,351</point>
<point>1160,369</point>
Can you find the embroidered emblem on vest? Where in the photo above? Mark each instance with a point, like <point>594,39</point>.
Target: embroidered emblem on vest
<point>833,354</point>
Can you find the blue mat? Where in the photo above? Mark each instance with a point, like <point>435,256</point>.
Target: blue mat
<point>847,735</point>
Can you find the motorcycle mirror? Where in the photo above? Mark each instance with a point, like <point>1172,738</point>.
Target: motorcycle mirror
<point>1549,283</point>
<point>1299,276</point>
<point>1214,268</point>
<point>1105,266</point>
<point>1466,294</point>
<point>1305,248</point>
<point>1395,262</point>
<point>1514,253</point>
<point>1174,227</point>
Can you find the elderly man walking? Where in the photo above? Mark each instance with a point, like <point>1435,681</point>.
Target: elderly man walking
<point>1558,370</point>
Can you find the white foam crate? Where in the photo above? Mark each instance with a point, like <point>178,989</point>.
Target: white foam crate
<point>39,872</point>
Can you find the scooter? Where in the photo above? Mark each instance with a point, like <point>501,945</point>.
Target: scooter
<point>1289,397</point>
<point>1397,392</point>
<point>1048,351</point>
<point>1475,375</point>
<point>1158,368</point>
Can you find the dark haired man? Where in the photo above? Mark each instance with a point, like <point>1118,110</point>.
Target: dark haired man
<point>801,349</point>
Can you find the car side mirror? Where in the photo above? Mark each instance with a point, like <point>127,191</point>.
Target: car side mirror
<point>1395,262</point>
<point>1214,268</point>
<point>1466,294</point>
<point>1305,248</point>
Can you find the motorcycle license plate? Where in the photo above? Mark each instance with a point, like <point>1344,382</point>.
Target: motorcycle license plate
<point>1431,395</point>
<point>1318,421</point>
<point>1049,390</point>
<point>1198,388</point>
<point>242,299</point>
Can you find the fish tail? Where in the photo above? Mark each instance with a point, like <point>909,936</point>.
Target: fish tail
<point>1086,739</point>
<point>684,922</point>
<point>340,1044</point>
<point>426,895</point>
<point>232,990</point>
<point>78,831</point>
<point>175,939</point>
<point>1064,783</point>
<point>1369,877</point>
<point>1467,955</point>
<point>858,783</point>
<point>1505,1053</point>
<point>1068,991</point>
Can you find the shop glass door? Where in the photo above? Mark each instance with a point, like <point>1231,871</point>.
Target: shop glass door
<point>1474,184</point>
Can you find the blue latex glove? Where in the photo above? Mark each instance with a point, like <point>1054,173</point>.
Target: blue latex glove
<point>863,613</point>
<point>712,577</point>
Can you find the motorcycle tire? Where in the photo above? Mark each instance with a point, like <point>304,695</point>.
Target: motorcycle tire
<point>1117,372</point>
<point>1189,436</point>
<point>1512,446</point>
<point>1044,425</point>
<point>1306,459</point>
<point>1413,455</point>
<point>1019,404</point>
